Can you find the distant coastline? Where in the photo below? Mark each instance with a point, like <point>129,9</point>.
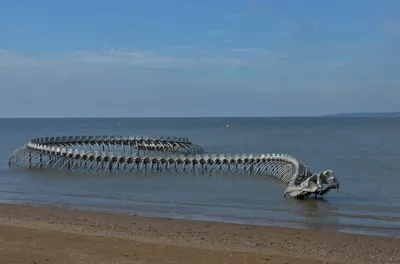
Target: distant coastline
<point>355,114</point>
<point>372,114</point>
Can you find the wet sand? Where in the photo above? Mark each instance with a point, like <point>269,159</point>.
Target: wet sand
<point>31,234</point>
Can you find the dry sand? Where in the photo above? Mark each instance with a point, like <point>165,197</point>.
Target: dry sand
<point>31,234</point>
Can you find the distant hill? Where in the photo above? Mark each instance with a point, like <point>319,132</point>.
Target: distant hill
<point>376,114</point>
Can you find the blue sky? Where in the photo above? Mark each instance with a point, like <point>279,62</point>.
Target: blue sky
<point>198,58</point>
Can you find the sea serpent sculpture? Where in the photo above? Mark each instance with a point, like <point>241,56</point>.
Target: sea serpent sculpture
<point>156,154</point>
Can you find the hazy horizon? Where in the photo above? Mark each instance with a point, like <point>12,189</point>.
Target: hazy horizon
<point>347,114</point>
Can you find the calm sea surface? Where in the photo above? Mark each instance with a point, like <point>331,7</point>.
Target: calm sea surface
<point>363,152</point>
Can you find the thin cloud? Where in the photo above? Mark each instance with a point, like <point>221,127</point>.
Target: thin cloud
<point>259,51</point>
<point>190,46</point>
<point>134,58</point>
<point>247,50</point>
<point>240,74</point>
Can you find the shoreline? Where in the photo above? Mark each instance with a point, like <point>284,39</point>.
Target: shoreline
<point>380,231</point>
<point>34,233</point>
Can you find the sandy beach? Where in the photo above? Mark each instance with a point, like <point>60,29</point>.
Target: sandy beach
<point>31,234</point>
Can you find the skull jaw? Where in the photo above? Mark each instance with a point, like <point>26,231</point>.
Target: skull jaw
<point>306,190</point>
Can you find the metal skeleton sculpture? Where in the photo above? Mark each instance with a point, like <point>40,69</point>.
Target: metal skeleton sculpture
<point>143,153</point>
